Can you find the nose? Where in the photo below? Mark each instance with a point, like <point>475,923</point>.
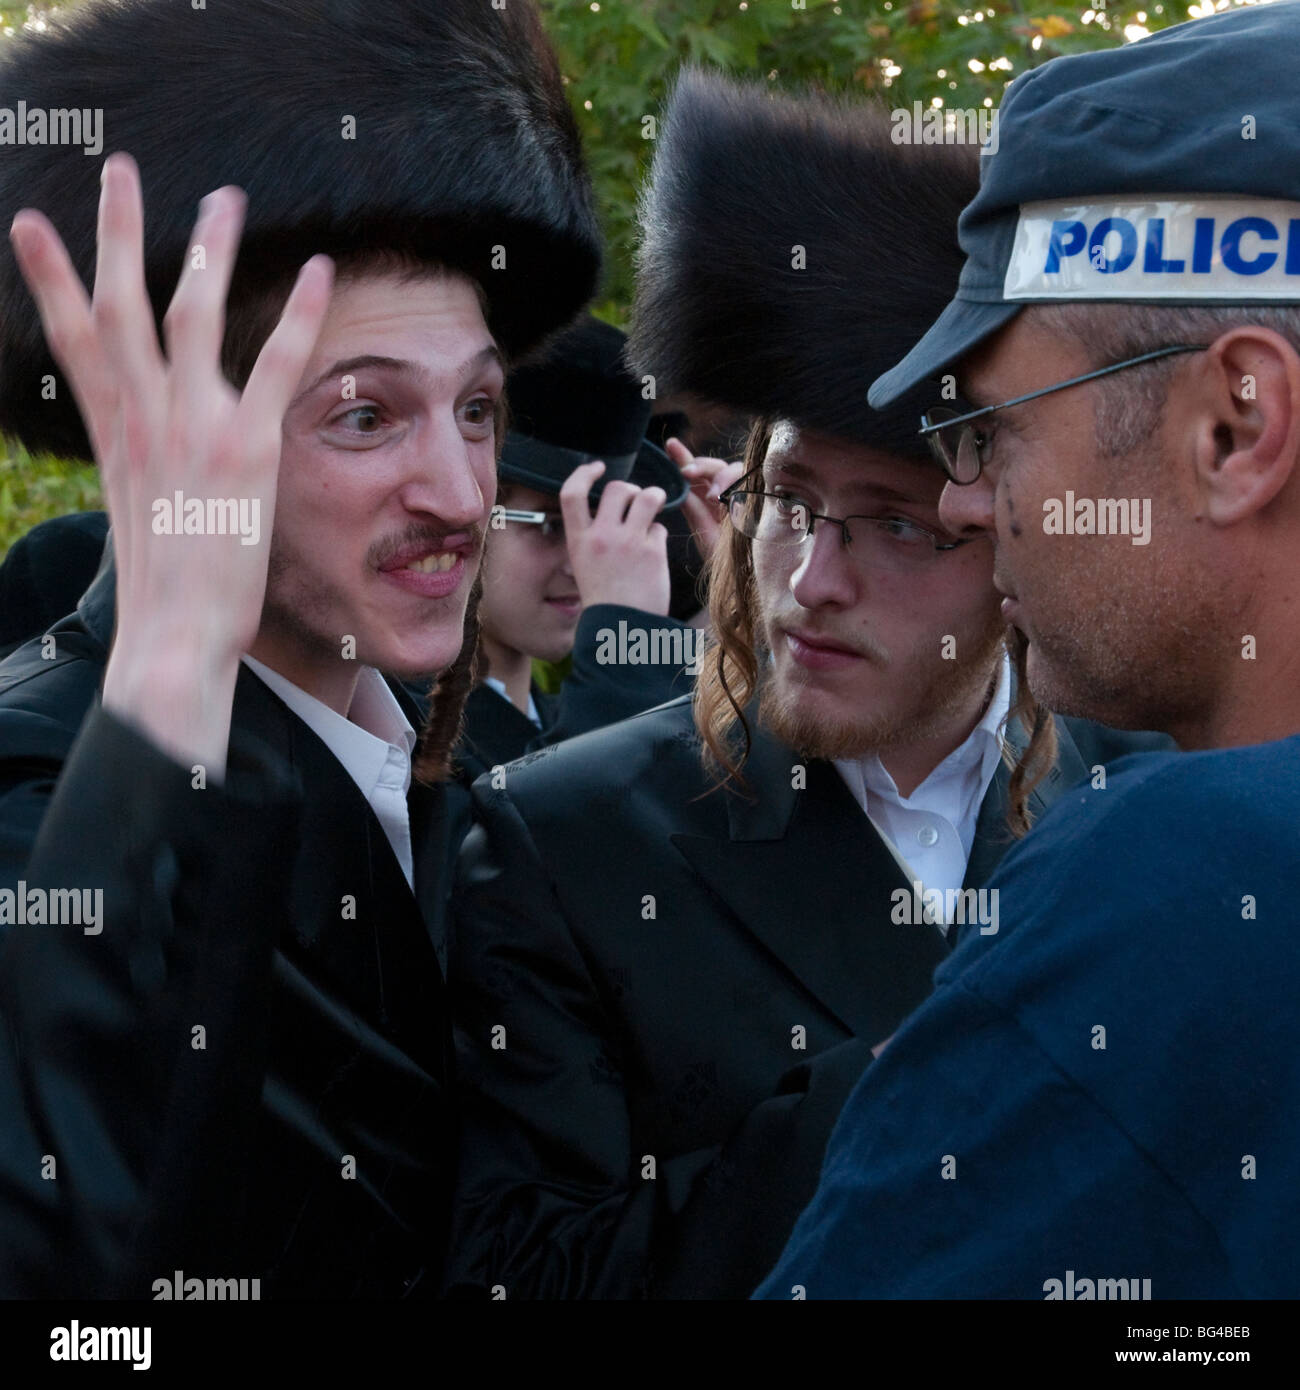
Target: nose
<point>826,574</point>
<point>966,509</point>
<point>449,478</point>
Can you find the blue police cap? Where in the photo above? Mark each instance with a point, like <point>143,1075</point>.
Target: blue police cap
<point>1167,171</point>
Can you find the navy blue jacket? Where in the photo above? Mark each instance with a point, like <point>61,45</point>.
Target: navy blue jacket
<point>998,1146</point>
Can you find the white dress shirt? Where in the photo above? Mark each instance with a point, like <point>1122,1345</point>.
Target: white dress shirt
<point>374,744</point>
<point>500,688</point>
<point>932,830</point>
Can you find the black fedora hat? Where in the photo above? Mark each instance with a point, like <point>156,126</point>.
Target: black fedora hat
<point>436,129</point>
<point>577,403</point>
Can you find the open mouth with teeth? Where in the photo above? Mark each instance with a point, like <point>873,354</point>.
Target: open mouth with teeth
<point>441,560</point>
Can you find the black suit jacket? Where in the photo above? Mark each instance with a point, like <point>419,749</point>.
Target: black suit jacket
<point>495,732</point>
<point>593,694</point>
<point>45,572</point>
<point>306,1141</point>
<point>664,995</point>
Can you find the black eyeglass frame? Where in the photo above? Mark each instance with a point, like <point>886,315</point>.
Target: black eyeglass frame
<point>738,489</point>
<point>931,428</point>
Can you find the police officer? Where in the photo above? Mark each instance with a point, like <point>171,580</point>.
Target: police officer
<point>1106,1089</point>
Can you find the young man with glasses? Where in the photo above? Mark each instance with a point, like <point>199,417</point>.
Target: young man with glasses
<point>560,570</point>
<point>679,940</point>
<point>1111,1084</point>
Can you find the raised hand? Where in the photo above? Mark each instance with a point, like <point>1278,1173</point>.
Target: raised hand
<point>187,604</point>
<point>620,555</point>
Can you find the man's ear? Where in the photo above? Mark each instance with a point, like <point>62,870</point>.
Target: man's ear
<point>1248,421</point>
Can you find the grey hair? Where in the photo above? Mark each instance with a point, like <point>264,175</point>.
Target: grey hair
<point>1130,404</point>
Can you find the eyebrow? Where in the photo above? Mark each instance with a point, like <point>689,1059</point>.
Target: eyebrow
<point>984,398</point>
<point>889,494</point>
<point>349,366</point>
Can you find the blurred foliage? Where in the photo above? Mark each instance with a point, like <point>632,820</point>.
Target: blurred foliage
<point>550,675</point>
<point>35,487</point>
<point>618,58</point>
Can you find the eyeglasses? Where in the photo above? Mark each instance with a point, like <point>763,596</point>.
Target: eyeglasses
<point>962,450</point>
<point>784,519</point>
<point>551,523</point>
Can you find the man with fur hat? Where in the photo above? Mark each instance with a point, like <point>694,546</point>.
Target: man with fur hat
<point>678,940</point>
<point>1114,1078</point>
<point>234,1061</point>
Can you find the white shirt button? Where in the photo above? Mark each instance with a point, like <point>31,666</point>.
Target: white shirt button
<point>927,835</point>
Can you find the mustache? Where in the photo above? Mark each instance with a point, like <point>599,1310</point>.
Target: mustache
<point>422,534</point>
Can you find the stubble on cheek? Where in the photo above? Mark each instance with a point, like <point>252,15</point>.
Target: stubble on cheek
<point>303,604</point>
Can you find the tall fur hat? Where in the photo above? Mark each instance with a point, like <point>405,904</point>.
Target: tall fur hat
<point>435,127</point>
<point>747,184</point>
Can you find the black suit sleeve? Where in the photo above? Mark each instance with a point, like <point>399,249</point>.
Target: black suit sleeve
<point>554,1200</point>
<point>123,1130</point>
<point>599,691</point>
<point>735,1221</point>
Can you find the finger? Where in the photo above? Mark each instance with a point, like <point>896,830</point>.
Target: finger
<point>614,502</point>
<point>196,317</point>
<point>679,453</point>
<point>646,505</point>
<point>120,304</point>
<point>728,474</point>
<point>574,495</point>
<point>700,516</point>
<point>64,309</point>
<point>285,354</point>
<point>702,469</point>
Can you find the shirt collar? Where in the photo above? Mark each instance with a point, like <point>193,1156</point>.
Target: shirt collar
<point>976,757</point>
<point>500,688</point>
<point>375,726</point>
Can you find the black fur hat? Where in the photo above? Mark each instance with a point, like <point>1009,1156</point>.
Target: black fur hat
<point>745,183</point>
<point>436,127</point>
<point>579,403</point>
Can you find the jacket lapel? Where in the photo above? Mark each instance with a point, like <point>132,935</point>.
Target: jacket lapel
<point>377,951</point>
<point>805,873</point>
<point>494,730</point>
<point>547,707</point>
